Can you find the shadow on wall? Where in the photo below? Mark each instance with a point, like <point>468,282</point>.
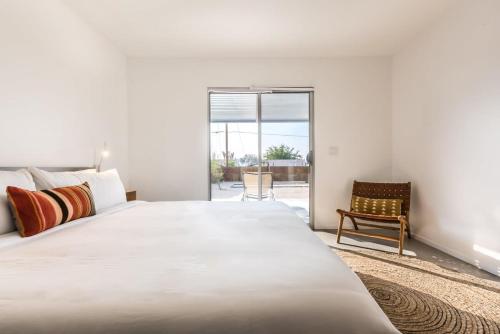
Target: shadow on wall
<point>482,257</point>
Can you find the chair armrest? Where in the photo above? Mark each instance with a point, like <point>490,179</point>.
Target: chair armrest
<point>369,216</point>
<point>342,212</point>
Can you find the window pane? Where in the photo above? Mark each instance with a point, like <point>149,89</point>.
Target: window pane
<point>285,107</point>
<point>229,108</point>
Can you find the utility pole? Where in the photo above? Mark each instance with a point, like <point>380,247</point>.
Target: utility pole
<point>227,146</point>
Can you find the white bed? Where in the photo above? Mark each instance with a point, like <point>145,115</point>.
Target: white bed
<point>182,267</point>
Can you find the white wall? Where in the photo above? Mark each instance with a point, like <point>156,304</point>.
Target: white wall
<point>446,131</point>
<point>62,89</point>
<point>168,122</point>
<point>63,92</point>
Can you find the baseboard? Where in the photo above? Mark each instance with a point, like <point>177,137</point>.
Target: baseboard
<point>446,250</point>
<point>433,244</point>
<point>331,230</point>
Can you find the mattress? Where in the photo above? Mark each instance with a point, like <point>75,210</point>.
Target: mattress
<point>182,267</point>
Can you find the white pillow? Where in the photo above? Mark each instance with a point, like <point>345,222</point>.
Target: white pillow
<point>21,179</point>
<point>106,187</point>
<point>49,180</point>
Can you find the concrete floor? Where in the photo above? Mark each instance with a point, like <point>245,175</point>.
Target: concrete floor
<point>284,190</point>
<point>295,194</point>
<point>413,248</point>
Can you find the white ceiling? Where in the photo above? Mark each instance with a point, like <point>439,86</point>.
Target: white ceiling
<point>259,28</point>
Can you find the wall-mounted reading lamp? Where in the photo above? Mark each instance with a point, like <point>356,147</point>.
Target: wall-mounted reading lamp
<point>104,154</point>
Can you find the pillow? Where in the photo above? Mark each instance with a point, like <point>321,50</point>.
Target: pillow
<point>37,211</point>
<point>48,180</point>
<point>386,207</point>
<point>21,178</point>
<point>107,188</point>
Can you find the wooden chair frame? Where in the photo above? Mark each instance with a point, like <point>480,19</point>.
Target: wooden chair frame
<point>379,191</point>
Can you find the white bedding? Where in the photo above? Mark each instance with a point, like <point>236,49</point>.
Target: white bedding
<point>182,267</point>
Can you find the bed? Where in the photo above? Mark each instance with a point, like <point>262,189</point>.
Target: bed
<point>182,267</point>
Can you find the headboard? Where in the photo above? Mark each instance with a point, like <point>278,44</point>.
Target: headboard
<point>49,169</point>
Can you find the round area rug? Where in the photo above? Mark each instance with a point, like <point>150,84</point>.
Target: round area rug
<point>422,297</point>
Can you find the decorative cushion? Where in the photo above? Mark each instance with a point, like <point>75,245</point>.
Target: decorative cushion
<point>386,207</point>
<point>37,211</point>
<point>20,178</point>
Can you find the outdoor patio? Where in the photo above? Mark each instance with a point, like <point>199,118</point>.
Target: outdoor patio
<point>295,194</point>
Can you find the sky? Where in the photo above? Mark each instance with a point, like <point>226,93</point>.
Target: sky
<point>243,137</point>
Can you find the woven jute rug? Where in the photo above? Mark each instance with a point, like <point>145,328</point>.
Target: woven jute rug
<point>422,297</point>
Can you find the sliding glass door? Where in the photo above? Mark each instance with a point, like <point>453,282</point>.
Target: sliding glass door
<point>234,143</point>
<point>261,147</point>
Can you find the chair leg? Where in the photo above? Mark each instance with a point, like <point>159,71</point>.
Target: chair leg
<point>401,236</point>
<point>339,231</point>
<point>354,223</point>
<point>408,230</point>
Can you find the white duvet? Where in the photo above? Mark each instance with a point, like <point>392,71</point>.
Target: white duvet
<point>182,267</point>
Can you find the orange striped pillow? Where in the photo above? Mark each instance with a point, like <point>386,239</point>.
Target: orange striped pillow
<point>37,211</point>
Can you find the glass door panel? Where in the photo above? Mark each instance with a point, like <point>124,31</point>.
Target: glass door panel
<point>233,146</point>
<point>285,147</point>
<point>260,147</point>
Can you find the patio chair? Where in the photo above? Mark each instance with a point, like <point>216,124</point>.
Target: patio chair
<point>251,185</point>
<point>367,204</point>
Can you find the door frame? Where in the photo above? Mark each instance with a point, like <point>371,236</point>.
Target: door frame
<point>259,91</point>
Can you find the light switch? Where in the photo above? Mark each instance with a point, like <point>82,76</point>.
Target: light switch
<point>333,150</point>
